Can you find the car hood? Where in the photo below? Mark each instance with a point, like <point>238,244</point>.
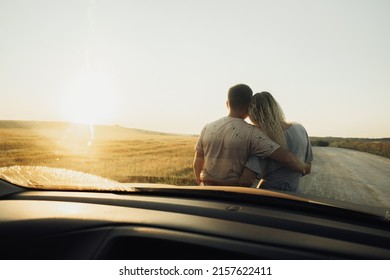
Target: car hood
<point>59,179</point>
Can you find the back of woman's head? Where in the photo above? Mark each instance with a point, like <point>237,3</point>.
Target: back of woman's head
<point>266,114</point>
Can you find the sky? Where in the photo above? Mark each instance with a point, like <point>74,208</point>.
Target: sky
<point>167,65</point>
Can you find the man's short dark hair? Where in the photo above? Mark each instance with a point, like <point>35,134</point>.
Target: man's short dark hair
<point>240,96</point>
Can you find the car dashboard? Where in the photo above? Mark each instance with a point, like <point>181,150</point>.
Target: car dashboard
<point>41,224</point>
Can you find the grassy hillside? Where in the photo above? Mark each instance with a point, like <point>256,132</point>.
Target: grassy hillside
<point>378,146</point>
<point>122,154</point>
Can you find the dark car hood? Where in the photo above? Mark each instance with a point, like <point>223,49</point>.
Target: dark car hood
<point>58,179</point>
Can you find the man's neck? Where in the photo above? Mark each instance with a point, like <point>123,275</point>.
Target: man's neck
<point>237,115</point>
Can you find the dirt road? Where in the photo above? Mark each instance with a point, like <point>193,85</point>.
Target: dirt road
<point>350,176</point>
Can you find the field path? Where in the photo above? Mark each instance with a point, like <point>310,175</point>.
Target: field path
<point>348,175</point>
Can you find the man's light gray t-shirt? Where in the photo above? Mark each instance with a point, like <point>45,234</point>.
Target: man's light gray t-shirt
<point>227,144</point>
<point>277,176</point>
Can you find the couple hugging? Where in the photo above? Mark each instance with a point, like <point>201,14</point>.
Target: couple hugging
<point>271,153</point>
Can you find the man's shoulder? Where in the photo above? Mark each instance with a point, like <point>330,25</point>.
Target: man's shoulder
<point>217,121</point>
<point>225,121</point>
<point>257,132</point>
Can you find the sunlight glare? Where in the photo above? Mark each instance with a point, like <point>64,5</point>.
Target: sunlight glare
<point>89,99</point>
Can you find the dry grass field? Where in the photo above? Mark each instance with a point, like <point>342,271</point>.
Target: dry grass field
<point>117,153</point>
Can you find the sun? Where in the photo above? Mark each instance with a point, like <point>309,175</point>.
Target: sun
<point>89,99</point>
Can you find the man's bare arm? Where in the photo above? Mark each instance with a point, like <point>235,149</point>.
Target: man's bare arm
<point>198,165</point>
<point>247,177</point>
<point>289,160</point>
<point>309,169</point>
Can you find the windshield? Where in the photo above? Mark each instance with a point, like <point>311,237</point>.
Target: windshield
<point>123,90</point>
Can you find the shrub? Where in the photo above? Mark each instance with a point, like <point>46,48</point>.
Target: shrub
<point>320,143</point>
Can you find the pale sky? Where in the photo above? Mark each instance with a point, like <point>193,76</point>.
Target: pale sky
<point>167,65</point>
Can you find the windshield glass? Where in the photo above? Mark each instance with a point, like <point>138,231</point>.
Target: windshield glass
<point>124,90</point>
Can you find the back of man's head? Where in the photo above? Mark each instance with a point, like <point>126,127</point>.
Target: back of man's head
<point>239,96</point>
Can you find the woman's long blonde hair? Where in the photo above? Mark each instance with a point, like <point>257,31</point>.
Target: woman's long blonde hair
<point>265,113</point>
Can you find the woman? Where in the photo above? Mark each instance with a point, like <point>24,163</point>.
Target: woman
<point>265,113</point>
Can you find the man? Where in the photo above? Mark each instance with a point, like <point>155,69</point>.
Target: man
<point>225,145</point>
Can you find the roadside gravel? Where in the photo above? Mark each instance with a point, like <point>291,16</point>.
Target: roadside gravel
<point>349,176</point>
